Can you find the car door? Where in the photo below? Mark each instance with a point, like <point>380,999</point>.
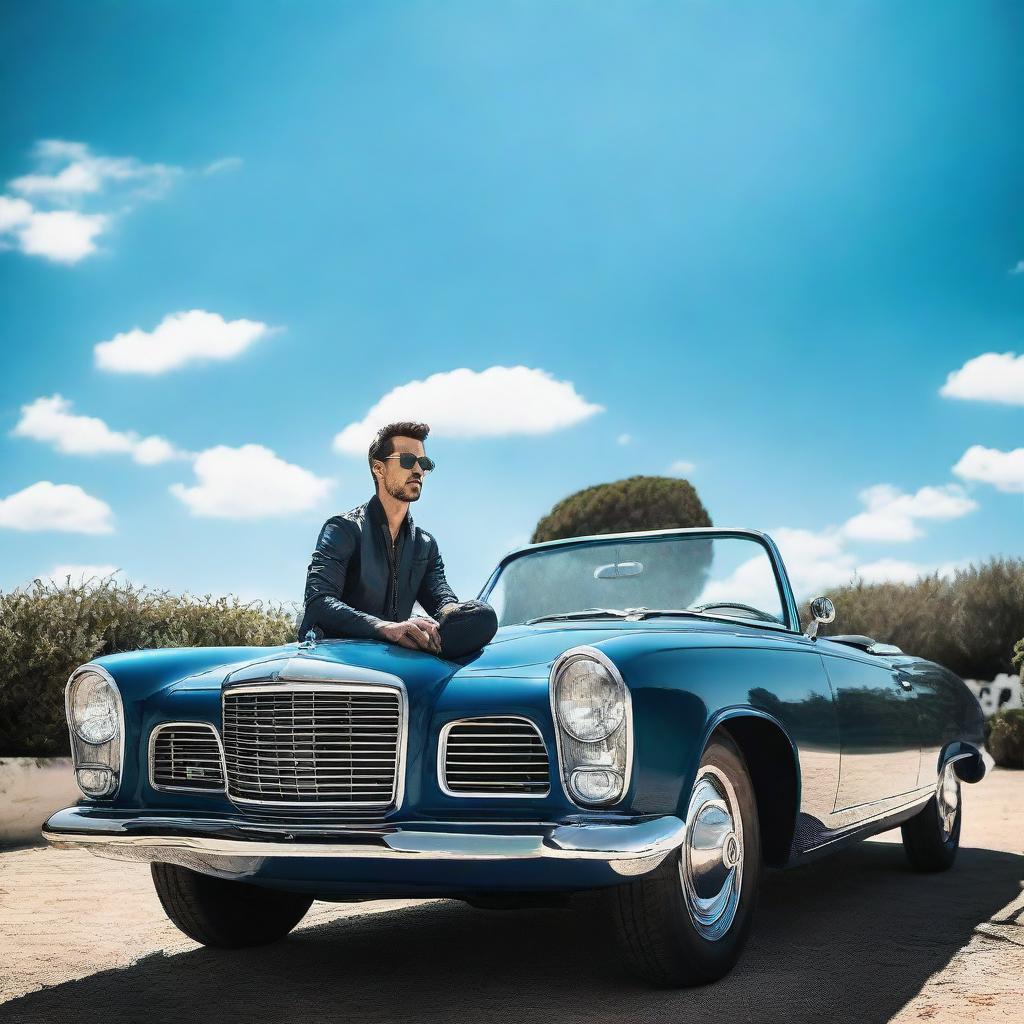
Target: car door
<point>880,747</point>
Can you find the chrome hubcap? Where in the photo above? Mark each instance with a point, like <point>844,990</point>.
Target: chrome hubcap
<point>711,858</point>
<point>947,797</point>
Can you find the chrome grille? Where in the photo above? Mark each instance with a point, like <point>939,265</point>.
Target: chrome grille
<point>185,755</point>
<point>499,756</point>
<point>313,745</point>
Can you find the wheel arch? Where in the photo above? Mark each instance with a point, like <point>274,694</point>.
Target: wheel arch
<point>774,767</point>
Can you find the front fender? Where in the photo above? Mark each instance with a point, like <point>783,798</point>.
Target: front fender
<point>680,696</point>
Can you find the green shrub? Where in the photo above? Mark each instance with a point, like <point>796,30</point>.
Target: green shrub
<point>1005,738</point>
<point>48,629</point>
<point>968,622</point>
<point>637,503</point>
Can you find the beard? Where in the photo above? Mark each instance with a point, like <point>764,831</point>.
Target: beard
<point>404,492</point>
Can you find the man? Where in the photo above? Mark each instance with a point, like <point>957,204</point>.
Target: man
<point>373,562</point>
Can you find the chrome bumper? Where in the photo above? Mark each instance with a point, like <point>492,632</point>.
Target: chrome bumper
<point>630,849</point>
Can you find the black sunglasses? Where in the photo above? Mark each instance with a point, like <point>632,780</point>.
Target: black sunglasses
<point>407,460</point>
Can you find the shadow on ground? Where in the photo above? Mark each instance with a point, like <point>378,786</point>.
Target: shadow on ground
<point>851,938</point>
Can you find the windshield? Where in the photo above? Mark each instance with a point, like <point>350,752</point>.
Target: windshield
<point>719,575</point>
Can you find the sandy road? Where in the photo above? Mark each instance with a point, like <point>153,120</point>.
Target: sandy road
<point>856,937</point>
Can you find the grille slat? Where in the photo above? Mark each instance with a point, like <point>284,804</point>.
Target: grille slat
<point>499,756</point>
<point>308,747</point>
<point>186,757</point>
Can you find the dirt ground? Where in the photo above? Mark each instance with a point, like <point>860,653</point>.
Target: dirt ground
<point>855,937</point>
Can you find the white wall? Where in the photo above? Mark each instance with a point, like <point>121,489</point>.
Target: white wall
<point>31,789</point>
<point>1004,692</point>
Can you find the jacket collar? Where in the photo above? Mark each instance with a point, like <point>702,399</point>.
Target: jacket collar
<point>375,510</point>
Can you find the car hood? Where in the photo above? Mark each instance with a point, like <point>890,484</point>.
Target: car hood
<point>516,650</point>
<point>520,647</point>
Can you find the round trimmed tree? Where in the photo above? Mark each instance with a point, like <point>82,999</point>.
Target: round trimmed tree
<point>548,584</point>
<point>636,503</point>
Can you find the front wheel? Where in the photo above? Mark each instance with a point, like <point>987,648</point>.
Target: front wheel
<point>932,837</point>
<point>687,921</point>
<point>218,912</point>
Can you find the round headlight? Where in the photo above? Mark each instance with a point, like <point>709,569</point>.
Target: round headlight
<point>591,705</point>
<point>94,708</point>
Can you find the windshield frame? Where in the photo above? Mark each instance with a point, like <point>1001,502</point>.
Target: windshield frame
<point>789,607</point>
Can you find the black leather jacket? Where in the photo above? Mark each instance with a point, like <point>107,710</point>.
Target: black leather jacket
<point>352,584</point>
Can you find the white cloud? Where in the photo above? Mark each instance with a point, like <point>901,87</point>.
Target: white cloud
<point>62,236</point>
<point>992,377</point>
<point>60,149</point>
<point>891,570</point>
<point>225,163</point>
<point>67,170</point>
<point>179,339</point>
<point>895,570</point>
<point>814,561</point>
<point>151,451</point>
<point>74,178</point>
<point>81,574</point>
<point>1018,267</point>
<point>681,467</point>
<point>51,421</point>
<point>819,562</point>
<point>14,213</point>
<point>498,401</point>
<point>624,439</point>
<point>249,482</point>
<point>48,216</point>
<point>892,515</point>
<point>1003,470</point>
<point>752,582</point>
<point>48,506</point>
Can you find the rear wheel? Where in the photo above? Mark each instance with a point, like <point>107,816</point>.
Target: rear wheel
<point>686,922</point>
<point>217,912</point>
<point>932,837</point>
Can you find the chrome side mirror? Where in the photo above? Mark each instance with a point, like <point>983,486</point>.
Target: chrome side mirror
<point>822,610</point>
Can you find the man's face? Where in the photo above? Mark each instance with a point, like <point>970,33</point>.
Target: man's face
<point>403,484</point>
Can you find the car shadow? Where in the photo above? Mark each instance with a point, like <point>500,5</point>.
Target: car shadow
<point>849,938</point>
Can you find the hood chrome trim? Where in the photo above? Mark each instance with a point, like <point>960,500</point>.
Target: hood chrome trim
<point>304,669</point>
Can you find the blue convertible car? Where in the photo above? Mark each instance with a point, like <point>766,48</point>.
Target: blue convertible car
<point>651,720</point>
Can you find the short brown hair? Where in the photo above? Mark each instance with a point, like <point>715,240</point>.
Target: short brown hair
<point>382,445</point>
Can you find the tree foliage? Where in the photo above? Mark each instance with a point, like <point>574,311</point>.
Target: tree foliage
<point>47,630</point>
<point>636,503</point>
<point>969,622</point>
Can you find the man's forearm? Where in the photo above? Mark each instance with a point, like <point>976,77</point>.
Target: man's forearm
<point>338,619</point>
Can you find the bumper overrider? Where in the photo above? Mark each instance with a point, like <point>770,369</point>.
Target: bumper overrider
<point>589,853</point>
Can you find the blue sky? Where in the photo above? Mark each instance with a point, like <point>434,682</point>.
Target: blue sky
<point>780,244</point>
